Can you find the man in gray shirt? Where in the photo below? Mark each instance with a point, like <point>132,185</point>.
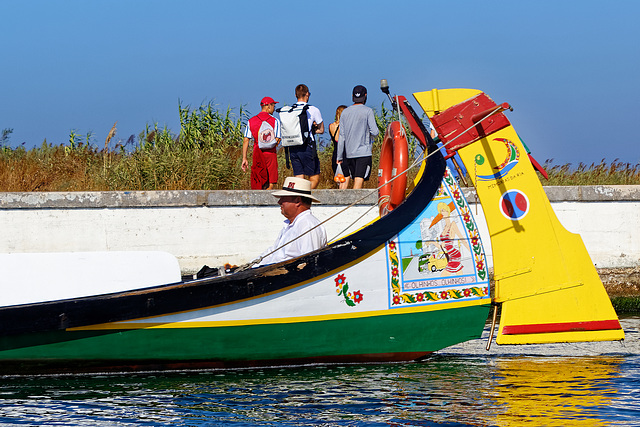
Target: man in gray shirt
<point>357,129</point>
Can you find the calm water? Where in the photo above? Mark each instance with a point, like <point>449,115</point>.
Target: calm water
<point>559,385</point>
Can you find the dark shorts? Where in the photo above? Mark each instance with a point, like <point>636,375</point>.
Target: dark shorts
<point>359,167</point>
<point>304,160</point>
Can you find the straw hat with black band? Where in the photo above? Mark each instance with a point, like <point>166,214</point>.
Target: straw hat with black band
<point>296,187</point>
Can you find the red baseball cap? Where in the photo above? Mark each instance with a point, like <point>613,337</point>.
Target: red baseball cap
<point>267,100</point>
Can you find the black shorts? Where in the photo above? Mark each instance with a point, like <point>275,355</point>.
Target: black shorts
<point>360,167</point>
<point>304,159</point>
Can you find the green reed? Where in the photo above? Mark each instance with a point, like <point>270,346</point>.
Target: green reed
<point>626,305</point>
<point>205,154</point>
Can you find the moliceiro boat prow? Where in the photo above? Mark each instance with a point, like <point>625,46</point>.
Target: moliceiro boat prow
<point>546,284</point>
<point>409,283</point>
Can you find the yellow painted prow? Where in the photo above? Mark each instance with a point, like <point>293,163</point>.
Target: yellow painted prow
<point>549,289</point>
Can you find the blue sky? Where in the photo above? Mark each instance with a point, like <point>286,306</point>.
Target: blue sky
<point>569,68</point>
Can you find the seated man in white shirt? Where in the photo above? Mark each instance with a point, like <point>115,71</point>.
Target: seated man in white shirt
<point>300,228</point>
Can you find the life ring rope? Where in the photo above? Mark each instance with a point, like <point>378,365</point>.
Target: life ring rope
<point>392,179</point>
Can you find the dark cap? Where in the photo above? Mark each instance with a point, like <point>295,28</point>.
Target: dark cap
<point>359,93</point>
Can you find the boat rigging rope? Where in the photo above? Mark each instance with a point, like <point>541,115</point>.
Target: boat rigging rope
<point>353,222</point>
<point>372,191</point>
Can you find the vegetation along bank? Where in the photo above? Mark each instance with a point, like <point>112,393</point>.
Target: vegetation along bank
<point>204,154</point>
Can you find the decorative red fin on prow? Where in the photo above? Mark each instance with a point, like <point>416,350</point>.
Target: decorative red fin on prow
<point>469,121</point>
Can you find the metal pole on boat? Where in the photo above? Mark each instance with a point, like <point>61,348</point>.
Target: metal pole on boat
<point>459,170</point>
<point>384,87</point>
<point>477,118</point>
<point>493,324</point>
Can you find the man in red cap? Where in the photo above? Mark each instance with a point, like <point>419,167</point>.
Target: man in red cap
<point>264,129</point>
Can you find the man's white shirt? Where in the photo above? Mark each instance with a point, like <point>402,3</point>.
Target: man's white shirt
<point>315,239</point>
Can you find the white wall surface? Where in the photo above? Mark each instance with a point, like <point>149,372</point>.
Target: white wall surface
<point>213,235</point>
<point>195,235</point>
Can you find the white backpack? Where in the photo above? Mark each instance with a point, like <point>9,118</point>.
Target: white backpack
<point>266,136</point>
<point>294,123</point>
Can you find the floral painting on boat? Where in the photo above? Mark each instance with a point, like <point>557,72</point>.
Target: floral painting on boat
<point>439,257</point>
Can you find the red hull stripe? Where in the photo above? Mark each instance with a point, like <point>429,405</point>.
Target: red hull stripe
<point>547,328</point>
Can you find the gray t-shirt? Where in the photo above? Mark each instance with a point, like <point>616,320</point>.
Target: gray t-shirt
<point>357,129</point>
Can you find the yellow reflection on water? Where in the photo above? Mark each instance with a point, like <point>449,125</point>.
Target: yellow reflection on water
<point>554,391</point>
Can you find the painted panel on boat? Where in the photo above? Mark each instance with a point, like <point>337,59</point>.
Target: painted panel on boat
<point>439,257</point>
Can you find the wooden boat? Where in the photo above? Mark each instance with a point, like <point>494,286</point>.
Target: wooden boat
<point>396,290</point>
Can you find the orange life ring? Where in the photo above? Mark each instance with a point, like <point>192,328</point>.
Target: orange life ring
<point>394,157</point>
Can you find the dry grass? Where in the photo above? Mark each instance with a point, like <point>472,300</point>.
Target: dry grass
<point>205,154</point>
<point>56,168</point>
<point>614,173</point>
<point>50,169</point>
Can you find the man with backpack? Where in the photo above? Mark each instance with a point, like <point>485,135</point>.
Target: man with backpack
<point>300,123</point>
<point>264,129</point>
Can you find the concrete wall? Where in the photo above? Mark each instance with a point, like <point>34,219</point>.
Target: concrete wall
<point>214,227</point>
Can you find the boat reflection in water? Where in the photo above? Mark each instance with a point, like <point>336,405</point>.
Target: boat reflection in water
<point>538,391</point>
<point>550,391</point>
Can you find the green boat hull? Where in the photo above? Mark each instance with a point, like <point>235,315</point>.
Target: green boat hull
<point>397,337</point>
